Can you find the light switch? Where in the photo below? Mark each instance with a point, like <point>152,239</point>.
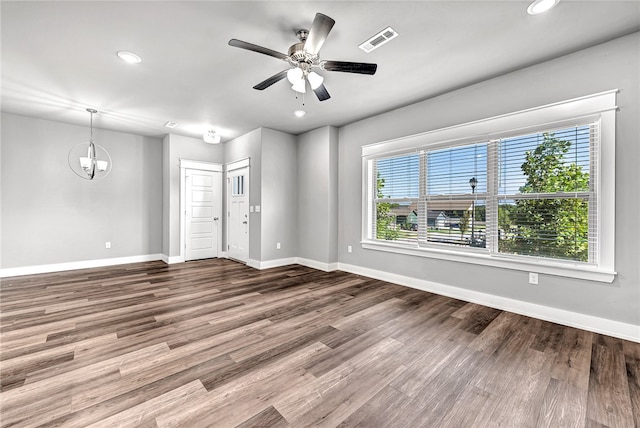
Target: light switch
<point>250,208</point>
<point>257,208</point>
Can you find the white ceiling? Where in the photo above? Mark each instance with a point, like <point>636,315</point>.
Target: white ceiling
<point>59,58</point>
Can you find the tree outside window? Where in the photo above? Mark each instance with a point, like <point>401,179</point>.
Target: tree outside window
<point>548,226</point>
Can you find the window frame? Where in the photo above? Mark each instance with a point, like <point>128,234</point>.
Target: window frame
<point>599,107</point>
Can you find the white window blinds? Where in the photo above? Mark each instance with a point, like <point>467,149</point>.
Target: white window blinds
<point>530,195</point>
<point>546,197</point>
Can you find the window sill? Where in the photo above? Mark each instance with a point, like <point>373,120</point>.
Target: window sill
<point>534,265</point>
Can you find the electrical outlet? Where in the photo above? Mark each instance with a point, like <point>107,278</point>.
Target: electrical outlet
<point>277,245</point>
<point>107,245</point>
<point>533,278</point>
<point>349,249</point>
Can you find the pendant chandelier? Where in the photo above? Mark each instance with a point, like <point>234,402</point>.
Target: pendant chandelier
<point>89,160</point>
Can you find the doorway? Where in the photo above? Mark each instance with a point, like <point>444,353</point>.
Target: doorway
<point>238,210</point>
<point>201,201</point>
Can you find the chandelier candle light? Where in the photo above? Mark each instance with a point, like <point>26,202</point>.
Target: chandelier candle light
<point>89,160</point>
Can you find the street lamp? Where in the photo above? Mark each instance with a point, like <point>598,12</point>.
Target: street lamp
<point>473,183</point>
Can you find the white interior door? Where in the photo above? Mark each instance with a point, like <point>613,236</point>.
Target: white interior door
<point>238,214</point>
<point>202,213</point>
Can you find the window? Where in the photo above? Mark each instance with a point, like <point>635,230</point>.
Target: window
<point>456,195</point>
<point>396,203</point>
<point>237,188</point>
<point>511,198</point>
<point>545,186</point>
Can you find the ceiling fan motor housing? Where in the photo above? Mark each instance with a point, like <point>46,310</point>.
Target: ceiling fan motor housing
<point>299,55</point>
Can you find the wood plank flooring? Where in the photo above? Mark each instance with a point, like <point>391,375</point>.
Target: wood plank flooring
<point>217,344</point>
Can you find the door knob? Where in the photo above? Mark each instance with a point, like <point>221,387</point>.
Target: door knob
<point>244,222</point>
<point>215,218</point>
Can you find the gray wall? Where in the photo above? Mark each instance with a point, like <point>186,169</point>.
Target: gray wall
<point>279,195</point>
<point>166,197</point>
<point>50,215</point>
<point>334,192</point>
<point>318,195</point>
<point>608,66</point>
<point>176,147</point>
<point>273,186</point>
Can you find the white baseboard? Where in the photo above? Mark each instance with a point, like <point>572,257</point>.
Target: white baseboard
<point>327,267</point>
<point>608,327</point>
<point>61,267</point>
<point>267,264</point>
<point>171,260</point>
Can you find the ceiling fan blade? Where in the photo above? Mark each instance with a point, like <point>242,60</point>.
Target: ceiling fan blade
<point>255,48</point>
<point>321,93</point>
<point>320,29</point>
<point>271,80</point>
<point>350,67</point>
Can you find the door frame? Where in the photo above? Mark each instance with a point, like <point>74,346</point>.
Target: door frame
<point>203,166</point>
<point>232,166</point>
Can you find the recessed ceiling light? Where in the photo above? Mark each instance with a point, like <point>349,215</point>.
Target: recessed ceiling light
<point>299,113</point>
<point>540,6</point>
<point>129,57</point>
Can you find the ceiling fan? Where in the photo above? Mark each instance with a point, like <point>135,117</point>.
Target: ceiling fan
<point>303,58</point>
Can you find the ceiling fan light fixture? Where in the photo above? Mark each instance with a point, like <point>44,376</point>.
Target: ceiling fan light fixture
<point>315,80</point>
<point>294,75</point>
<point>299,113</point>
<point>540,6</point>
<point>299,86</point>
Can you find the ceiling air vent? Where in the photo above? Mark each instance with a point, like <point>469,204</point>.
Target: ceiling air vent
<point>379,39</point>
